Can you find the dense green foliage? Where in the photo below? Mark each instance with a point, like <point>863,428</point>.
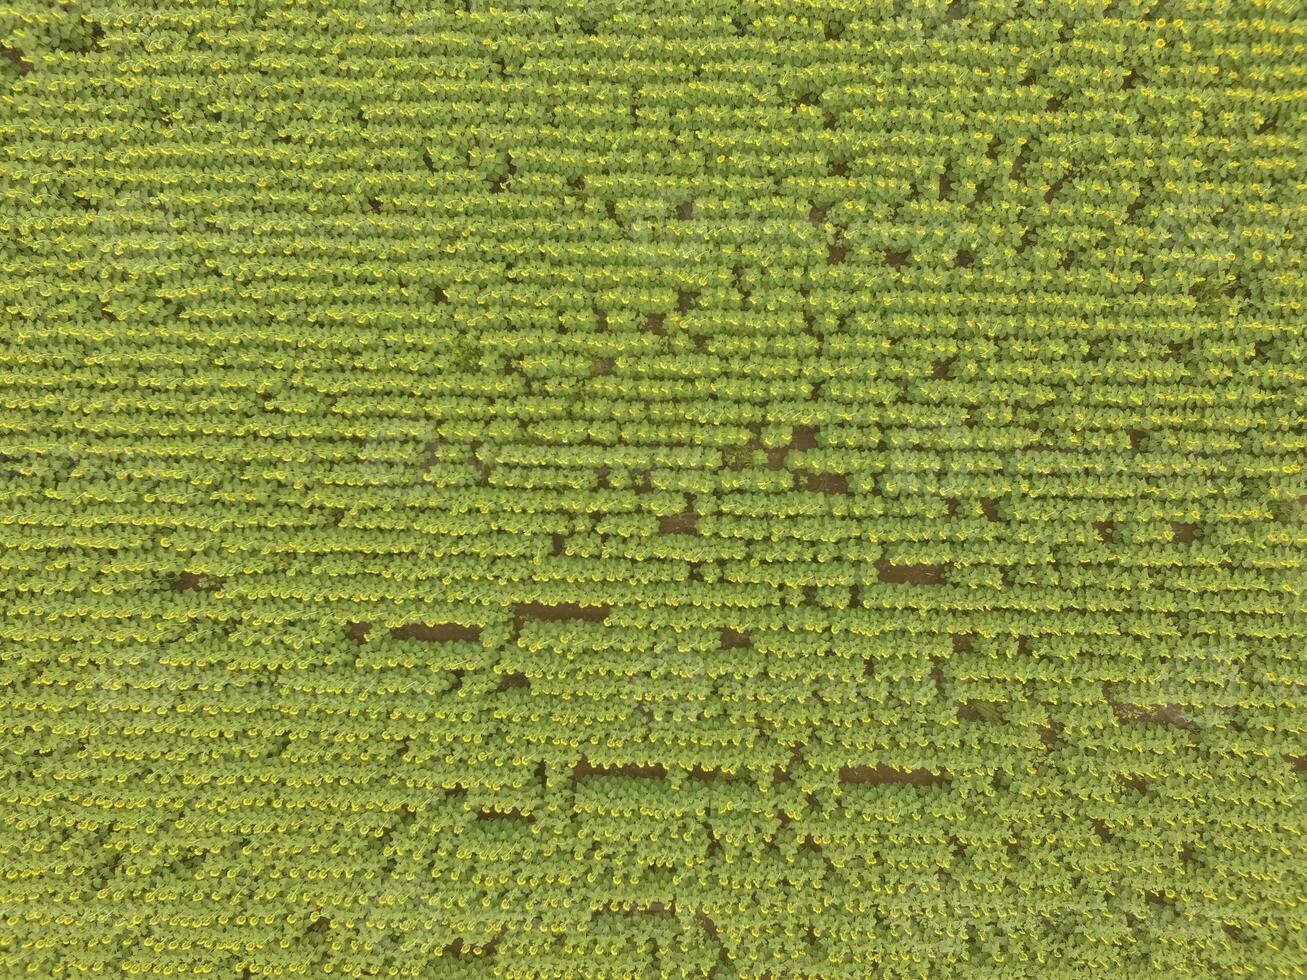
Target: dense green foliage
<point>782,489</point>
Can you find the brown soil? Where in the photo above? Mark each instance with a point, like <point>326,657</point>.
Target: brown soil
<point>191,582</point>
<point>585,769</point>
<point>1136,783</point>
<point>16,56</point>
<point>882,774</point>
<point>563,610</point>
<point>834,484</point>
<point>436,633</point>
<point>910,574</point>
<point>678,524</point>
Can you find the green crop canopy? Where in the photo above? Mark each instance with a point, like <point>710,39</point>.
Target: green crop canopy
<point>548,489</point>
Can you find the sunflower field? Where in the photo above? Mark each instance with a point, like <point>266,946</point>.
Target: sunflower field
<point>719,488</point>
